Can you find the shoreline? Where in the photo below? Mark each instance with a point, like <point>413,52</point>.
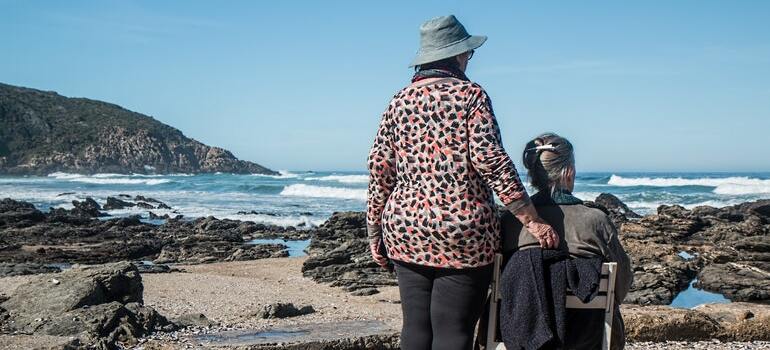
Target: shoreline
<point>243,290</point>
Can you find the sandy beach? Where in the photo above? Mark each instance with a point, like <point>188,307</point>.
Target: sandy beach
<point>233,292</point>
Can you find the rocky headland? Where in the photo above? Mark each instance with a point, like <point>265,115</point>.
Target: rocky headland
<point>244,288</point>
<point>43,132</point>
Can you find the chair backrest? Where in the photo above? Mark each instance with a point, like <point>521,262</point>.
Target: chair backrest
<point>604,300</point>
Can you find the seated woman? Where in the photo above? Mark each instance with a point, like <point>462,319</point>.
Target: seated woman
<point>584,232</point>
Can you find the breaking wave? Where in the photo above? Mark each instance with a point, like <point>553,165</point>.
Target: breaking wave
<point>302,190</point>
<point>347,179</point>
<point>734,185</point>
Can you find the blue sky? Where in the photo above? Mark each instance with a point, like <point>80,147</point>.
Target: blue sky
<point>643,86</point>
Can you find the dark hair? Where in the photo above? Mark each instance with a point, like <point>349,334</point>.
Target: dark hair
<point>450,63</point>
<point>547,159</point>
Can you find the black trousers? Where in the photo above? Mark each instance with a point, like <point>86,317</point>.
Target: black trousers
<point>440,306</point>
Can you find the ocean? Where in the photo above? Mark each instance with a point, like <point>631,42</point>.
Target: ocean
<point>307,199</point>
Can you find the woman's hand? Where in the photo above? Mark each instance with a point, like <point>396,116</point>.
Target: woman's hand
<point>544,233</point>
<point>376,247</point>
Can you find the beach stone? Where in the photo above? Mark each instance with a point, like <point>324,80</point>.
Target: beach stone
<point>740,321</point>
<point>284,310</point>
<point>193,319</point>
<point>365,291</point>
<point>664,323</point>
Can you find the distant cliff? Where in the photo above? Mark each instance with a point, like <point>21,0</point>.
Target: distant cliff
<point>43,132</point>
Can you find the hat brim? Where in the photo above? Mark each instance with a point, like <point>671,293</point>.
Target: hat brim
<point>470,43</point>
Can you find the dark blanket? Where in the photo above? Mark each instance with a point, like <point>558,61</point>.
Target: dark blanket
<point>534,287</point>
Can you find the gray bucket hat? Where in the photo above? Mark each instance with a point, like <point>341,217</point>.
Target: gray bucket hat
<point>444,37</point>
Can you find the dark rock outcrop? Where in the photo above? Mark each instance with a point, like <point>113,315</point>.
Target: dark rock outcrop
<point>43,132</point>
<point>30,236</point>
<point>616,209</point>
<point>20,269</point>
<point>339,254</point>
<point>87,207</point>
<point>115,203</point>
<point>101,306</point>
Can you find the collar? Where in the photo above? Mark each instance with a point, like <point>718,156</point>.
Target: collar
<point>558,197</point>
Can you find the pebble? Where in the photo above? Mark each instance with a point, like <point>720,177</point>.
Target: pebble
<point>705,345</point>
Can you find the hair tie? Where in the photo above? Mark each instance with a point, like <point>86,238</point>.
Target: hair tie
<point>548,147</point>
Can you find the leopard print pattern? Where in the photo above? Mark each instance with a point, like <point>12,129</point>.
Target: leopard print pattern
<point>435,160</point>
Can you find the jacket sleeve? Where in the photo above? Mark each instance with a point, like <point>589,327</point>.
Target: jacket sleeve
<point>488,156</point>
<point>382,172</point>
<point>625,275</point>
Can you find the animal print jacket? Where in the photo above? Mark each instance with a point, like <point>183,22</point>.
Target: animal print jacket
<point>437,152</point>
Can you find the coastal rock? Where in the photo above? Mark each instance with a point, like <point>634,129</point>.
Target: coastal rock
<point>726,322</point>
<point>618,211</point>
<point>659,272</point>
<point>193,319</point>
<point>114,203</point>
<point>18,214</point>
<point>284,310</point>
<point>87,207</point>
<point>740,321</point>
<point>737,281</point>
<point>663,323</point>
<point>27,235</point>
<point>98,305</point>
<point>339,254</point>
<point>42,132</point>
<point>20,269</point>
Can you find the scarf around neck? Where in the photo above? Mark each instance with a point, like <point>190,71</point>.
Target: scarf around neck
<point>557,197</point>
<point>444,72</point>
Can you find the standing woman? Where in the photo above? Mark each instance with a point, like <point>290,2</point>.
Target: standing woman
<point>435,160</point>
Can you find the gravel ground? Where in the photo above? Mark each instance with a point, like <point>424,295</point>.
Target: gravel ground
<point>709,345</point>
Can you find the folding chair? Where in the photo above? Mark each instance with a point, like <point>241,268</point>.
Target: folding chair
<point>604,300</point>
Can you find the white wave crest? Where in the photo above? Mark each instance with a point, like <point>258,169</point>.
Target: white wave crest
<point>109,179</point>
<point>282,174</point>
<point>302,190</point>
<point>743,189</point>
<point>348,179</point>
<point>748,185</point>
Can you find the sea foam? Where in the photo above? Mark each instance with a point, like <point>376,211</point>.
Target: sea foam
<point>734,185</point>
<point>282,174</point>
<point>348,179</point>
<point>302,190</point>
<point>110,179</point>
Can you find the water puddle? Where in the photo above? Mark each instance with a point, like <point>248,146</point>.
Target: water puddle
<point>295,334</point>
<point>252,337</point>
<point>296,247</point>
<point>692,297</point>
<point>60,266</point>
